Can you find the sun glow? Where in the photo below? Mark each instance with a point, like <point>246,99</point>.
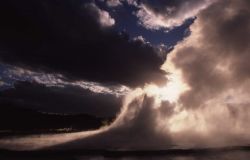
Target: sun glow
<point>174,87</point>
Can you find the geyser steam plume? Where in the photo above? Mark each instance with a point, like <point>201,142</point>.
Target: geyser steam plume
<point>205,104</point>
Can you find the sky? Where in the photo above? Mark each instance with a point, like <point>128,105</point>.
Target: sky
<point>98,47</point>
<point>173,73</point>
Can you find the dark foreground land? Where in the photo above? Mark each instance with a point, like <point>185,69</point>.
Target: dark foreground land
<point>22,121</point>
<point>228,153</point>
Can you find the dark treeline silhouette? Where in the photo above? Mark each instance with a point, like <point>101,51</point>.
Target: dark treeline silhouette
<point>19,120</point>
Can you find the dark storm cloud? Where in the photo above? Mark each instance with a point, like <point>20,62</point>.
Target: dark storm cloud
<point>75,38</point>
<point>65,100</point>
<point>215,58</point>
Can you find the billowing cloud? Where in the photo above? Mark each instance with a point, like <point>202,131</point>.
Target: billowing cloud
<point>214,59</point>
<point>65,37</point>
<point>168,14</point>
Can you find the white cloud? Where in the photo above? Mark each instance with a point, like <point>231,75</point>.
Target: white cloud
<point>157,17</point>
<point>132,2</point>
<point>104,18</point>
<point>113,3</point>
<point>2,83</point>
<point>139,38</point>
<point>20,74</point>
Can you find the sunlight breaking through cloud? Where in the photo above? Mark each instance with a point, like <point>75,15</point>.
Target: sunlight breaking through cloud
<point>201,105</point>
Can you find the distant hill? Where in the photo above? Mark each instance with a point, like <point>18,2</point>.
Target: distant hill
<point>19,120</point>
